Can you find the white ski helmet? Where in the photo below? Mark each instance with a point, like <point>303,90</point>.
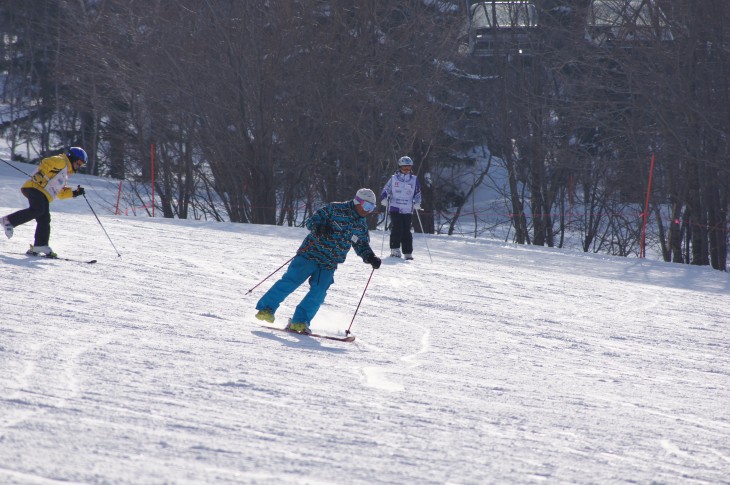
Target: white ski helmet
<point>403,161</point>
<point>366,198</point>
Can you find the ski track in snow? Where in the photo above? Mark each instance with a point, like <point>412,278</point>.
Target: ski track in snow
<point>494,364</point>
<point>378,377</point>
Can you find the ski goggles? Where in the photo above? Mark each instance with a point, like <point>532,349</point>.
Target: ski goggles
<point>367,206</point>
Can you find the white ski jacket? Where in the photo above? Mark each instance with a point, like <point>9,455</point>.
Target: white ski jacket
<point>402,191</point>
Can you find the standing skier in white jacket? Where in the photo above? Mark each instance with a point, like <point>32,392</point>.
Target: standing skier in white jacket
<point>401,195</point>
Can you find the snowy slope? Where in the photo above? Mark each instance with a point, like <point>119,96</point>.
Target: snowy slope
<point>494,363</point>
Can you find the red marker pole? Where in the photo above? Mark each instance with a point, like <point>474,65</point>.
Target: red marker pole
<point>152,162</point>
<point>119,196</point>
<point>646,209</point>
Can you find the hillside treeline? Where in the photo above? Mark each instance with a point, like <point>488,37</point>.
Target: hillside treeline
<point>260,110</point>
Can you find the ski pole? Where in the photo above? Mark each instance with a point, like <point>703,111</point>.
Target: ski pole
<point>385,224</point>
<point>16,168</point>
<point>272,274</point>
<point>424,234</point>
<point>347,332</point>
<point>102,225</point>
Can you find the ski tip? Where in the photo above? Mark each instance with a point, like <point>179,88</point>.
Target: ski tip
<point>91,261</point>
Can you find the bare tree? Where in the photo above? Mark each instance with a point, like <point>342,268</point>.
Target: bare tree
<point>269,107</point>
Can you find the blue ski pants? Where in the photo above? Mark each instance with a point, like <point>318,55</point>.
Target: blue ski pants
<point>297,273</point>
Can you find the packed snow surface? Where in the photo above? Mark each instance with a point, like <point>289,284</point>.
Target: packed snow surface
<point>478,362</point>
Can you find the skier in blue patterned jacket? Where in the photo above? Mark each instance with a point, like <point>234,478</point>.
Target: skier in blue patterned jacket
<point>334,229</point>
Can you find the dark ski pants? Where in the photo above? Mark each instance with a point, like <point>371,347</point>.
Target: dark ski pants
<point>297,273</point>
<point>40,210</point>
<point>400,233</point>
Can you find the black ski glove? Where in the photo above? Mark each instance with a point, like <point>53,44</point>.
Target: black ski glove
<point>374,261</point>
<point>79,191</point>
<point>324,229</point>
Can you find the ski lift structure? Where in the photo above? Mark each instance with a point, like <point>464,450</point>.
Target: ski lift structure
<point>513,27</point>
<point>495,28</point>
<point>626,24</point>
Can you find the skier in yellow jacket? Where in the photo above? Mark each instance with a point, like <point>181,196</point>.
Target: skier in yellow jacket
<point>46,184</point>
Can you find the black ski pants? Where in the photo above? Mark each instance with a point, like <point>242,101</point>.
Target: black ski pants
<point>400,234</point>
<point>40,210</point>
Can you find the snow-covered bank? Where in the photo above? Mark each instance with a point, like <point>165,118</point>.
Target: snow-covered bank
<point>495,363</point>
